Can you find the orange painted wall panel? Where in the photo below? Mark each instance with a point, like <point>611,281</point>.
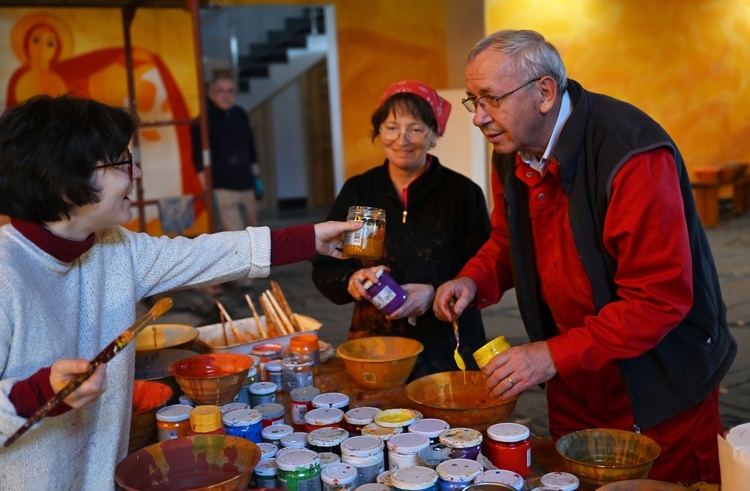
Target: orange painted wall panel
<point>684,63</point>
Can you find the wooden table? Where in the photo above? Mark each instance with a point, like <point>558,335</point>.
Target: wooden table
<point>707,198</point>
<point>333,377</point>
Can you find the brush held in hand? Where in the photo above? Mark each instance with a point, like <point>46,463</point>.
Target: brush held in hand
<point>104,356</point>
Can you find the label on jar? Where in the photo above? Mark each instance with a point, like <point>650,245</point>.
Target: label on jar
<point>357,237</point>
<point>383,297</point>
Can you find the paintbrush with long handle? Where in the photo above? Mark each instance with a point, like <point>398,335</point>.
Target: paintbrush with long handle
<point>103,357</point>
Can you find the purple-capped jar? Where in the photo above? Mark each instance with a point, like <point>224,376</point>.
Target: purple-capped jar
<point>386,295</point>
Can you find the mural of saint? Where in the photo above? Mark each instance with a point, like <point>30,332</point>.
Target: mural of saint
<point>43,43</point>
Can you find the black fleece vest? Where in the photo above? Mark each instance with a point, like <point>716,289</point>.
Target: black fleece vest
<point>600,135</point>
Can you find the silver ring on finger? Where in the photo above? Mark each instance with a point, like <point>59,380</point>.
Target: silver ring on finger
<point>510,380</point>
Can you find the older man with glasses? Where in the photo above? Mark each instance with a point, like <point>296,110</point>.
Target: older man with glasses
<point>595,228</point>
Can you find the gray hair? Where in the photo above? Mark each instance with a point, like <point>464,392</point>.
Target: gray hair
<point>528,53</point>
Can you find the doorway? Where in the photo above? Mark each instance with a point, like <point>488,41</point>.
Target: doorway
<point>284,59</point>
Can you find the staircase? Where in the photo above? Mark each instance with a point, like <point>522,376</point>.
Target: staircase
<point>269,66</point>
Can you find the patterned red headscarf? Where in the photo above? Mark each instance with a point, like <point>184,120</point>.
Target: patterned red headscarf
<point>440,107</point>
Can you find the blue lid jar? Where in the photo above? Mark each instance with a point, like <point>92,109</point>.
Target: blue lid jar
<point>244,423</point>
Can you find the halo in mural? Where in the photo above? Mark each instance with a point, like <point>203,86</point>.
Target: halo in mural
<point>24,28</point>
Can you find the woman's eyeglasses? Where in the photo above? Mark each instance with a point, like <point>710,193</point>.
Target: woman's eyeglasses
<point>390,133</point>
<point>127,162</point>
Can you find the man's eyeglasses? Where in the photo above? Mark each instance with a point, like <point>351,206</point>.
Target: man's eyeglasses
<point>128,162</point>
<point>470,103</point>
<point>415,134</point>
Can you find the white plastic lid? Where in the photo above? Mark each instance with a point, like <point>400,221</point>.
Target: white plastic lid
<point>297,439</point>
<point>241,417</point>
<point>459,470</point>
<point>297,457</point>
<point>275,366</point>
<point>383,432</point>
<point>266,468</point>
<point>267,450</point>
<point>226,408</point>
<point>331,399</point>
<point>339,474</point>
<point>430,427</point>
<point>328,458</point>
<point>414,478</point>
<point>304,394</point>
<point>327,437</point>
<point>408,443</point>
<point>276,432</point>
<point>361,415</point>
<point>324,416</point>
<point>373,486</point>
<point>395,418</point>
<point>461,438</point>
<point>186,401</point>
<point>501,476</point>
<point>174,413</point>
<point>560,480</point>
<point>384,478</point>
<point>262,388</point>
<point>361,446</point>
<point>739,437</point>
<point>270,410</point>
<point>508,432</point>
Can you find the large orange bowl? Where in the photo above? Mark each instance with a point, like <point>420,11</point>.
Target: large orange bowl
<point>215,462</point>
<point>461,403</point>
<point>212,378</point>
<point>600,456</point>
<point>380,362</point>
<point>148,398</point>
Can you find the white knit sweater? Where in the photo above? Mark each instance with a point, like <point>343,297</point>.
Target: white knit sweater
<point>51,310</point>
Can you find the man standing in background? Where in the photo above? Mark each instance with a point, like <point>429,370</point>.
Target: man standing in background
<point>235,173</point>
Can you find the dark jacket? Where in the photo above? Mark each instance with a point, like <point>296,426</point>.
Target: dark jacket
<point>446,223</point>
<point>232,148</point>
<point>600,135</point>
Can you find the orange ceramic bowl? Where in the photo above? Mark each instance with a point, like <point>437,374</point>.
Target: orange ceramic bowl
<point>600,456</point>
<point>215,462</point>
<point>212,378</point>
<point>148,397</point>
<point>461,402</point>
<point>380,362</point>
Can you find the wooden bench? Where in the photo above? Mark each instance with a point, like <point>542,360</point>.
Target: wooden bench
<point>707,198</point>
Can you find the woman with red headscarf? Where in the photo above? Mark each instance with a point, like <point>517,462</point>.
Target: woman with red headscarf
<point>436,220</point>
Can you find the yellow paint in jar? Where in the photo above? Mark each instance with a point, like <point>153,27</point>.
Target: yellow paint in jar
<point>395,418</point>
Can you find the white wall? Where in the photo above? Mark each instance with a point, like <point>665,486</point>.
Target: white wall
<point>289,148</point>
<point>463,147</point>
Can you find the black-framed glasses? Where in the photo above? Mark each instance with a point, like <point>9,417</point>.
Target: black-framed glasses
<point>470,103</point>
<point>127,162</point>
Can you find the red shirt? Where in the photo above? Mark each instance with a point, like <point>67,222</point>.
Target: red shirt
<point>654,279</point>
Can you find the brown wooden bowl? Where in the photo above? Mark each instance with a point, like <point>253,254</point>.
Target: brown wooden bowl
<point>445,396</point>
